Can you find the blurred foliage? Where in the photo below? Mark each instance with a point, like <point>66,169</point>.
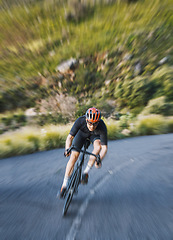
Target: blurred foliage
<point>134,93</point>
<point>150,125</point>
<point>114,131</point>
<point>162,80</point>
<point>170,125</point>
<point>159,106</point>
<point>29,140</point>
<point>12,120</point>
<point>124,50</point>
<point>55,118</point>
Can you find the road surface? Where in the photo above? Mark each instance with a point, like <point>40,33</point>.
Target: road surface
<point>129,198</point>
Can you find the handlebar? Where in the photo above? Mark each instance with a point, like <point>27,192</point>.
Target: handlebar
<point>98,160</point>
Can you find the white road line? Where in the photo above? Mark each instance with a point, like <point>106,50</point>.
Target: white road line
<point>77,221</point>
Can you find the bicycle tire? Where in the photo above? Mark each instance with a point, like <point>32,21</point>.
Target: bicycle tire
<point>70,191</point>
<point>67,202</point>
<point>78,180</point>
<point>70,183</point>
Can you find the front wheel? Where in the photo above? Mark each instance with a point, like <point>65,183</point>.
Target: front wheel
<point>70,192</point>
<point>72,188</point>
<point>68,201</point>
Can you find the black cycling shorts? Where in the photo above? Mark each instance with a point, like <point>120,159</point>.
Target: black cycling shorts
<point>81,137</point>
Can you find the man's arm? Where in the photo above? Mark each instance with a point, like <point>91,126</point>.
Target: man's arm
<point>68,143</point>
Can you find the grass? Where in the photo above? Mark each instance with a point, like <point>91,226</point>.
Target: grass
<point>44,28</point>
<point>31,139</point>
<point>151,125</point>
<point>114,130</point>
<point>170,125</point>
<point>36,37</point>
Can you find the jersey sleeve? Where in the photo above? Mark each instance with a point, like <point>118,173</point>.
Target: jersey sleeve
<point>76,126</point>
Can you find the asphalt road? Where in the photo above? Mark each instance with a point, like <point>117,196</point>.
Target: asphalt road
<point>129,198</point>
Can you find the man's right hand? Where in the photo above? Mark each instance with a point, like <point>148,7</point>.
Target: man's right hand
<point>67,152</point>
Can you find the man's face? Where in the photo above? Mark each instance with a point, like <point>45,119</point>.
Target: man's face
<point>91,126</point>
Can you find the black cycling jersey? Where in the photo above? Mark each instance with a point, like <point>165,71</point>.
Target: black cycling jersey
<point>80,126</point>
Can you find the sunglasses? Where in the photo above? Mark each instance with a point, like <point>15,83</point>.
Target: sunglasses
<point>92,124</point>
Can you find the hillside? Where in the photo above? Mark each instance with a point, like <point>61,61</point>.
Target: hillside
<point>122,50</point>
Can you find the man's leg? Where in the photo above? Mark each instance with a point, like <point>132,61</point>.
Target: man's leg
<point>97,149</point>
<point>69,168</point>
<point>78,143</point>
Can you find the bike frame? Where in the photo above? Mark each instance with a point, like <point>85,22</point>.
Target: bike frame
<point>75,178</point>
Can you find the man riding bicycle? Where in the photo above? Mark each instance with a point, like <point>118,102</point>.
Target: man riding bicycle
<point>90,126</point>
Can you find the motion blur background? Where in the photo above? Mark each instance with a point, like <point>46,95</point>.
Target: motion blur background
<point>59,57</point>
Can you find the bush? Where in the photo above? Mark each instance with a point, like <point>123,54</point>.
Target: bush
<point>51,140</point>
<point>163,82</point>
<point>56,118</point>
<point>5,150</point>
<point>53,137</point>
<point>114,131</point>
<point>158,106</point>
<point>134,93</point>
<point>29,140</point>
<point>35,140</point>
<point>15,145</point>
<point>20,118</point>
<point>150,125</point>
<point>12,120</point>
<point>124,121</point>
<point>170,125</point>
<point>78,11</point>
<point>7,120</point>
<point>81,110</point>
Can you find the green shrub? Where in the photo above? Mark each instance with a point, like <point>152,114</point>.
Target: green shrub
<point>124,121</point>
<point>158,106</point>
<point>5,150</point>
<point>55,118</point>
<point>78,11</point>
<point>114,131</point>
<point>53,137</point>
<point>163,82</point>
<point>170,125</point>
<point>35,140</point>
<point>134,93</point>
<point>50,141</point>
<point>15,145</point>
<point>28,140</point>
<point>7,120</point>
<point>81,110</point>
<point>20,118</point>
<point>150,125</point>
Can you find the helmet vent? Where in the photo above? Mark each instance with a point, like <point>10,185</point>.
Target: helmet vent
<point>93,115</point>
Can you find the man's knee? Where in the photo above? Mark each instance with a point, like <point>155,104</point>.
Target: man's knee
<point>74,156</point>
<point>97,146</point>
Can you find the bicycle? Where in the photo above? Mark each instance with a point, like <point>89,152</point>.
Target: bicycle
<point>75,178</point>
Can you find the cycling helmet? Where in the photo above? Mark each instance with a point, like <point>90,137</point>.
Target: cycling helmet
<point>93,115</point>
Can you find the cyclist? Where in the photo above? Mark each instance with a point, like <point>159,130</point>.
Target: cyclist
<point>88,126</point>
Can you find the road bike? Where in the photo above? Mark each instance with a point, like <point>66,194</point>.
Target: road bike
<point>75,178</point>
